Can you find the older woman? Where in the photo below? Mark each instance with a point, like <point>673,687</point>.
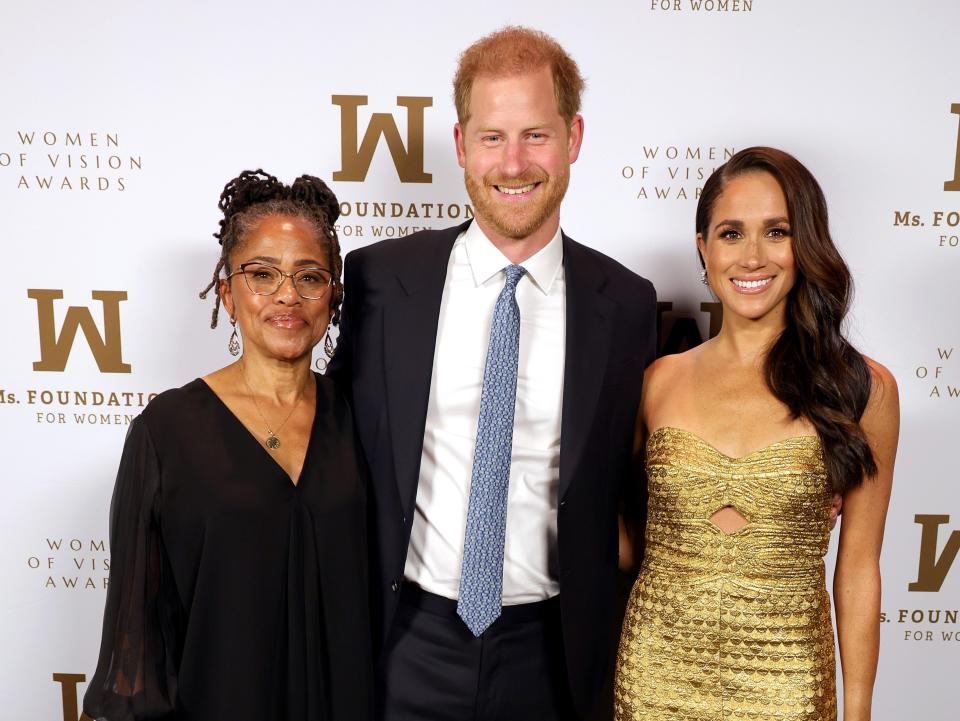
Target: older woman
<point>238,582</point>
<point>747,437</point>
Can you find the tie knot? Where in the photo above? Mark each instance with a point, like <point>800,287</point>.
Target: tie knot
<point>514,274</point>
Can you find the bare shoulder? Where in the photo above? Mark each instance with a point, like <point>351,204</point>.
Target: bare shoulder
<point>664,370</point>
<point>884,394</point>
<point>881,418</point>
<point>664,375</point>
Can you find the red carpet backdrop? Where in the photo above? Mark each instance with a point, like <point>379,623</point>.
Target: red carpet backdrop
<point>120,123</point>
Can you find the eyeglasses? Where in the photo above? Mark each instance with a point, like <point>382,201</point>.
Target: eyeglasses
<point>262,279</point>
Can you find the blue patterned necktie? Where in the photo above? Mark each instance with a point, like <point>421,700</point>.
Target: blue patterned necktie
<point>481,575</point>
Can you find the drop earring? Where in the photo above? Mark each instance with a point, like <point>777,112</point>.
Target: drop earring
<point>233,345</point>
<point>328,349</point>
<point>703,277</point>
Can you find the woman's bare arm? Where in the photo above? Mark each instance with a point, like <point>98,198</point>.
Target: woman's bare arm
<point>856,583</point>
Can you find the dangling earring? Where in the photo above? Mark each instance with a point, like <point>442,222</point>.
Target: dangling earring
<point>328,349</point>
<point>703,277</point>
<point>233,345</point>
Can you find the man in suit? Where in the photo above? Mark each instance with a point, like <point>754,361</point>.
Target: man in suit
<point>495,370</point>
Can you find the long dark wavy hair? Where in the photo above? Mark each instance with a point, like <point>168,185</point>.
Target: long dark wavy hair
<point>252,196</point>
<point>811,367</point>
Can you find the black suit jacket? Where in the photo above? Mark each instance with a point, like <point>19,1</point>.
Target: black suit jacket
<point>385,357</point>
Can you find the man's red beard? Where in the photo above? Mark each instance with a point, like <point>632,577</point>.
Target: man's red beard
<point>516,220</point>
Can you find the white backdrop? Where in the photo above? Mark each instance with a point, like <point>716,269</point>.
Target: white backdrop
<point>174,100</point>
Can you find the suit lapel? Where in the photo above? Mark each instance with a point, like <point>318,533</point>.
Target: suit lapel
<point>410,339</point>
<point>588,338</point>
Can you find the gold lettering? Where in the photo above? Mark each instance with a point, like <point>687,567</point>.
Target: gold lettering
<point>933,571</point>
<point>716,316</point>
<point>68,691</point>
<point>955,183</point>
<point>55,351</point>
<point>355,158</point>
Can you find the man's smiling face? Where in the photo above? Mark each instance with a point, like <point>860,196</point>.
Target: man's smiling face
<point>516,151</point>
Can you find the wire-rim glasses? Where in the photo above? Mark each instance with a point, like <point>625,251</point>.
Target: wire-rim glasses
<point>263,279</point>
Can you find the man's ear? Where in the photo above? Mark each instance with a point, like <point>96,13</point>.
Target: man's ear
<point>458,142</point>
<point>575,138</point>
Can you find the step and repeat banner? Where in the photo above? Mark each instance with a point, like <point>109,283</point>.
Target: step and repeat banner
<point>120,123</point>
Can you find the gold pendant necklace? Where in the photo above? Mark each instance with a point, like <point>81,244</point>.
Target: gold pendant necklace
<point>272,442</point>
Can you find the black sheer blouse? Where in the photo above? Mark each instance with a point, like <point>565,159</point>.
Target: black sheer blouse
<point>234,594</point>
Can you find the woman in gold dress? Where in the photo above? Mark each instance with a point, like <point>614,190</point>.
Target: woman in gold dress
<point>747,437</point>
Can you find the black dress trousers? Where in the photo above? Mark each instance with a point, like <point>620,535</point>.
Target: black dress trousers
<point>434,669</point>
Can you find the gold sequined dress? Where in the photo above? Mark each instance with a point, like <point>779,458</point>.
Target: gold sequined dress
<point>724,627</point>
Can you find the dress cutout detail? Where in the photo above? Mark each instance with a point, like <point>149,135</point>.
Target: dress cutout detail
<point>730,626</point>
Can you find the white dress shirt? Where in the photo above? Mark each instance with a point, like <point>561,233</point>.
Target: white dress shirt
<point>475,278</point>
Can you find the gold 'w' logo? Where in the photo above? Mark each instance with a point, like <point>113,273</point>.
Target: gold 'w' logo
<point>955,183</point>
<point>933,570</point>
<point>68,691</point>
<point>55,351</point>
<point>355,157</point>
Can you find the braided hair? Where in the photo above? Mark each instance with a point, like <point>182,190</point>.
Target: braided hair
<point>252,196</point>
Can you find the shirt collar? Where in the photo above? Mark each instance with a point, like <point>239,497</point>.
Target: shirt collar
<point>486,260</point>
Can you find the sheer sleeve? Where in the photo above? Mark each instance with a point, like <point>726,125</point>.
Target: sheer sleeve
<point>136,671</point>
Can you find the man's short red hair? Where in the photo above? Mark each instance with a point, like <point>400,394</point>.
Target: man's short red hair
<point>516,51</point>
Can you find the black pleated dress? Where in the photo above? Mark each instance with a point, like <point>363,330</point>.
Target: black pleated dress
<point>235,594</point>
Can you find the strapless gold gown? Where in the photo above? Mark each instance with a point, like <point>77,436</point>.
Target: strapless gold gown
<point>730,626</point>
